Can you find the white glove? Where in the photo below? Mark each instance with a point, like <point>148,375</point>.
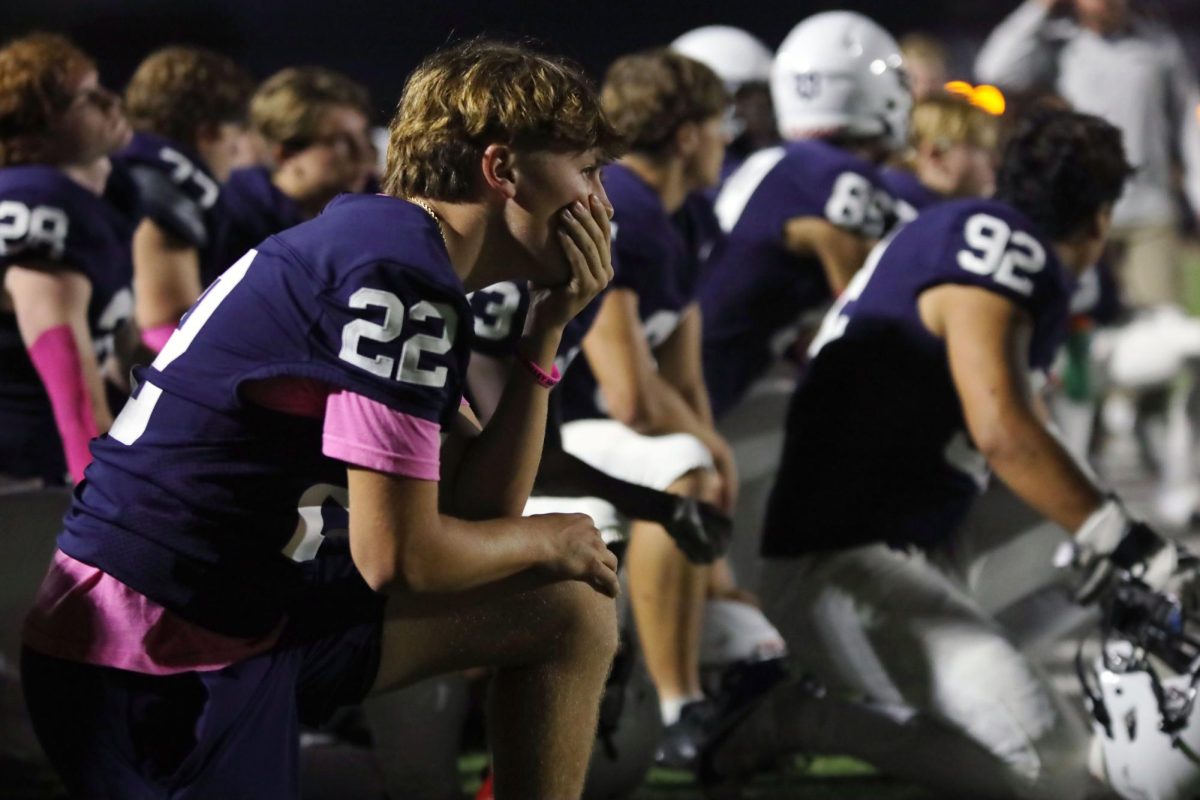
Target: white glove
<point>1110,540</point>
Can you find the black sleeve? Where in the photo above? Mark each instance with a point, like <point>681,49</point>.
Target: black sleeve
<point>168,205</point>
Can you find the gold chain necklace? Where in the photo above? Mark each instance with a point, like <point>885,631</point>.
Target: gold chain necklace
<point>429,210</point>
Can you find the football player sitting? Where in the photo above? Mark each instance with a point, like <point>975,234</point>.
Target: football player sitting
<point>801,217</point>
<point>917,389</point>
<point>188,109</point>
<point>271,528</point>
<point>64,254</point>
<point>636,407</point>
<point>951,153</point>
<point>314,124</point>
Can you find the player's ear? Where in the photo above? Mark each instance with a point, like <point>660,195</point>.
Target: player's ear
<point>277,153</point>
<point>207,133</point>
<point>687,138</point>
<point>499,170</point>
<point>1102,221</point>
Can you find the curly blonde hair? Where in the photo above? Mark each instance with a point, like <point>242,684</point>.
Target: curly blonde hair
<point>177,90</point>
<point>38,74</point>
<point>481,92</point>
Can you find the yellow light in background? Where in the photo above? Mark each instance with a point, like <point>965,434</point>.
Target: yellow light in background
<point>990,99</point>
<point>1198,113</point>
<point>960,87</point>
<point>985,96</point>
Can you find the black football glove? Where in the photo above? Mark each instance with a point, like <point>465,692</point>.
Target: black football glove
<point>699,530</point>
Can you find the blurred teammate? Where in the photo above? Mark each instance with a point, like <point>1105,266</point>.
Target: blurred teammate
<point>918,387</point>
<point>744,64</point>
<point>951,153</point>
<point>314,123</point>
<point>211,592</point>
<point>188,109</point>
<point>801,217</point>
<point>637,408</point>
<point>64,254</point>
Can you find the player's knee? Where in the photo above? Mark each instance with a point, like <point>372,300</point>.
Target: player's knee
<point>590,621</point>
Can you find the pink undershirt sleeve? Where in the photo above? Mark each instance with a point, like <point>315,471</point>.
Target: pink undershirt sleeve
<point>368,434</point>
<point>154,338</point>
<point>55,356</point>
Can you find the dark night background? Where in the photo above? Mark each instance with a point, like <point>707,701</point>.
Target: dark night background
<point>378,42</point>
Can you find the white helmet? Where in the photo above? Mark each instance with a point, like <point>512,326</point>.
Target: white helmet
<point>840,72</point>
<point>1144,716</point>
<point>733,631</point>
<point>738,57</point>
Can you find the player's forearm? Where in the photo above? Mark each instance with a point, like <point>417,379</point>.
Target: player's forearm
<point>457,556</point>
<point>166,276</point>
<point>680,360</point>
<point>499,466</point>
<point>696,396</point>
<point>1024,455</point>
<point>665,410</point>
<point>76,397</point>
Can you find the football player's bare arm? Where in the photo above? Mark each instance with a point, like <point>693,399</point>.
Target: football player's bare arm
<point>494,468</point>
<point>497,468</point>
<point>401,543</point>
<point>44,300</point>
<point>166,276</point>
<point>680,363</point>
<point>636,395</point>
<point>840,251</point>
<point>987,340</point>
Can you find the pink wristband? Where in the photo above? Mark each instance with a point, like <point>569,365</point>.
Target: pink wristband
<point>547,379</point>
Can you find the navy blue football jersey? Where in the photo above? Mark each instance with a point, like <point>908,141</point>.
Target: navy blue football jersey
<point>178,192</point>
<point>205,503</point>
<point>876,447</point>
<point>501,311</point>
<point>755,290</point>
<point>657,256</point>
<point>251,208</point>
<point>48,219</point>
<point>910,197</point>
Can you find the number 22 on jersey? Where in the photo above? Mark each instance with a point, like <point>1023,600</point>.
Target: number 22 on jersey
<point>131,423</point>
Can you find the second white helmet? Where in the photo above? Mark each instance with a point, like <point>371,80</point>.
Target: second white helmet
<point>737,56</point>
<point>841,72</point>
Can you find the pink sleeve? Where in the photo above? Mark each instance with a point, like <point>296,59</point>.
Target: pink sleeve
<point>55,356</point>
<point>154,338</point>
<point>368,434</point>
